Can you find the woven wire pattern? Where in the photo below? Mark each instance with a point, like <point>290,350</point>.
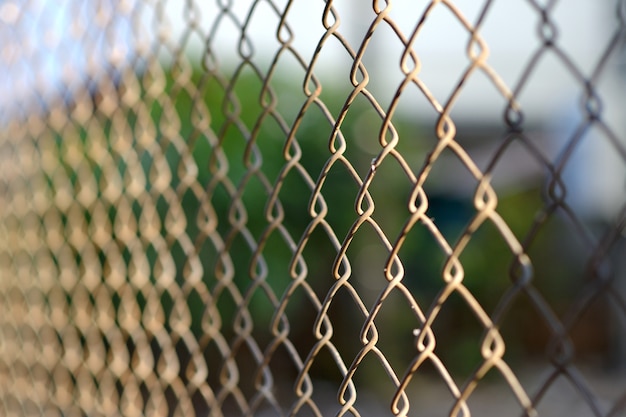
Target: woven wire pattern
<point>171,246</point>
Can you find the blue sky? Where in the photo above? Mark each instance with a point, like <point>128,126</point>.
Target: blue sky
<point>49,48</point>
<point>49,45</point>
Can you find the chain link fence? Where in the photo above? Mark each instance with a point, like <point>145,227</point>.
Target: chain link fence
<point>312,208</point>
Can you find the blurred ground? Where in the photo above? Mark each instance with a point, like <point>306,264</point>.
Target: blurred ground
<point>429,397</point>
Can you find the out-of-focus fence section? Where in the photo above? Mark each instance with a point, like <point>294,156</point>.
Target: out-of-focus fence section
<point>282,208</point>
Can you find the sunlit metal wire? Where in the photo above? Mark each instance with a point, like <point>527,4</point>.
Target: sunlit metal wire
<point>175,241</point>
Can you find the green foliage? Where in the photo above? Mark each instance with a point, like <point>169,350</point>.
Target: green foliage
<point>236,132</point>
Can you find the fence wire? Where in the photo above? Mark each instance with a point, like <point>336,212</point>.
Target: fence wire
<point>239,230</point>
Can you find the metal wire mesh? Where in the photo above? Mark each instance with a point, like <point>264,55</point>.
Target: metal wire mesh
<point>221,233</point>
